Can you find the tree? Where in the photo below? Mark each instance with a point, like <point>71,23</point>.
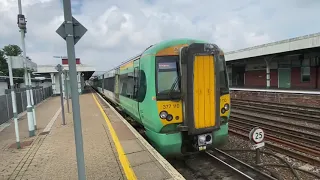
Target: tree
<point>3,64</point>
<point>12,50</point>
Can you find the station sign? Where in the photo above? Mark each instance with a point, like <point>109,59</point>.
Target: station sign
<point>18,63</point>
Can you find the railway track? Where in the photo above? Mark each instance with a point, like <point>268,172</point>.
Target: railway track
<point>285,132</point>
<point>222,163</point>
<point>295,140</point>
<point>285,107</point>
<point>241,168</point>
<point>216,164</point>
<point>279,122</point>
<point>298,113</point>
<point>282,145</point>
<point>298,144</point>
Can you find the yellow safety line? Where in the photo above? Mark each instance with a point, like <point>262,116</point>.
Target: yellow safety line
<point>123,158</point>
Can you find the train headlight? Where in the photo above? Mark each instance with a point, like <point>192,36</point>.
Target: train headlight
<point>226,107</point>
<point>169,117</point>
<point>223,110</point>
<point>163,114</point>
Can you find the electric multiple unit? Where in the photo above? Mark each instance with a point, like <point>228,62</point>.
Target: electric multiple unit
<point>177,90</point>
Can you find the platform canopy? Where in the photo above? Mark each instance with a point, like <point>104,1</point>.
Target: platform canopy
<point>83,68</point>
<point>288,45</point>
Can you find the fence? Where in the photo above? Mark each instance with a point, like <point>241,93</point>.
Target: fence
<point>39,94</point>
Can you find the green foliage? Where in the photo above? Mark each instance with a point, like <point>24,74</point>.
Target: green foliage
<point>3,64</point>
<point>10,50</point>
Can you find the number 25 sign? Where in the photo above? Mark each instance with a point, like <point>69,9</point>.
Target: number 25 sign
<point>256,135</point>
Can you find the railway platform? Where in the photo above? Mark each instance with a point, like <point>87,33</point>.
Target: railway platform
<point>112,148</point>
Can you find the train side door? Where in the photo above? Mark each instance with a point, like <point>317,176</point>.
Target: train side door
<point>117,85</point>
<point>135,105</point>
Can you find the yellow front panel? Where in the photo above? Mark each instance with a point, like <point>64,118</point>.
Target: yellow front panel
<point>225,99</point>
<point>204,92</point>
<point>173,108</point>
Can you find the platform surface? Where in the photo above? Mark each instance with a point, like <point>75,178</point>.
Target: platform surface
<point>112,148</point>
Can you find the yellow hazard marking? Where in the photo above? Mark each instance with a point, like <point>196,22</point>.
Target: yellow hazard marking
<point>123,158</point>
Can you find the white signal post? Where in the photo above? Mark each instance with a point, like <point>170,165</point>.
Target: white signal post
<point>14,103</point>
<point>256,136</point>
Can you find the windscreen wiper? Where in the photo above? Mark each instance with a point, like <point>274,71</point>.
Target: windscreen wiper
<point>173,86</point>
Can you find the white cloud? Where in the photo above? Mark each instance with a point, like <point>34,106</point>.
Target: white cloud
<point>120,29</point>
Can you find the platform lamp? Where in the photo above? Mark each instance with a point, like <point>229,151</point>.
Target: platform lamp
<point>66,78</point>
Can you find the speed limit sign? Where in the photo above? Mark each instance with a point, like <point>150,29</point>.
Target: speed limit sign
<point>256,135</point>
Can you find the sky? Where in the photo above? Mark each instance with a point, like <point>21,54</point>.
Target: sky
<point>120,29</point>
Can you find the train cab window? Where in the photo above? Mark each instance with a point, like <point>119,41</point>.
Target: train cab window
<point>167,76</point>
<point>224,86</point>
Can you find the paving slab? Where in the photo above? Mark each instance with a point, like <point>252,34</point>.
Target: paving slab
<point>56,158</point>
<point>145,161</point>
<point>9,155</point>
<point>111,148</point>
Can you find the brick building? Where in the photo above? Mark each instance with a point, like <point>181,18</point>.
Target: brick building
<point>291,64</point>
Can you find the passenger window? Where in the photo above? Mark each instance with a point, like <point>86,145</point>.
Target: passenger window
<point>124,89</point>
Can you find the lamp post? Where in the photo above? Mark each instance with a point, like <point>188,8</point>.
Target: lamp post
<point>59,68</point>
<point>22,26</point>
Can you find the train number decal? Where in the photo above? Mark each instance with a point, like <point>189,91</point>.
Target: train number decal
<point>168,106</point>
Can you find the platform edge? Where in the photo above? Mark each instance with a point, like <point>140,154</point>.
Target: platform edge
<point>164,163</point>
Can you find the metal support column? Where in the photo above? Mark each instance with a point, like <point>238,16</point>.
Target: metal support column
<point>32,103</point>
<point>268,73</point>
<point>14,104</point>
<point>69,37</point>
<point>66,89</point>
<point>268,62</point>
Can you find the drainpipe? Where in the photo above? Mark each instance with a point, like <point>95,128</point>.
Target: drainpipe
<point>268,74</point>
<point>317,72</point>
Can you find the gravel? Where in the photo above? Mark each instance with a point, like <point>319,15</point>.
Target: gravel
<point>200,167</point>
<point>236,142</point>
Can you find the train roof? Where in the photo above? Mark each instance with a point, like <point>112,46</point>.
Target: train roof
<point>153,49</point>
<point>171,42</point>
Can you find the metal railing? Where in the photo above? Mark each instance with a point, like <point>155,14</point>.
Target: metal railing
<point>6,113</point>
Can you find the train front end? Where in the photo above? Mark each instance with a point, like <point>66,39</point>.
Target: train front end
<point>193,98</point>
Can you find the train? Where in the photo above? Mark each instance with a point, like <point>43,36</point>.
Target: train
<point>177,90</point>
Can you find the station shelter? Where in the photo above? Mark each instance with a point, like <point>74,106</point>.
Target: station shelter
<point>287,64</point>
<point>84,72</point>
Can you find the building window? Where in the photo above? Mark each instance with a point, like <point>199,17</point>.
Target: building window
<point>305,74</point>
<point>305,70</point>
<point>305,63</point>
